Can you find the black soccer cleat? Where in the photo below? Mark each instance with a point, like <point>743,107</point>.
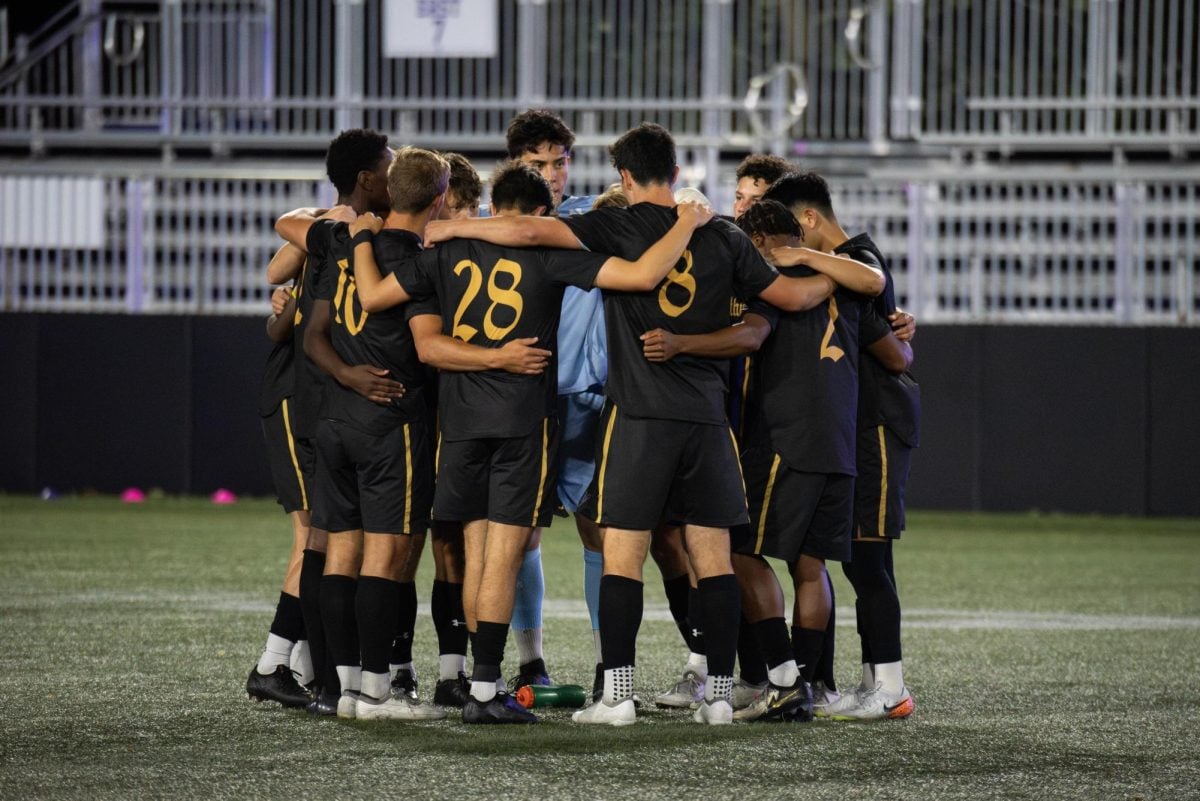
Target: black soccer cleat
<point>501,709</point>
<point>279,685</point>
<point>787,704</point>
<point>452,692</point>
<point>404,683</point>
<point>323,705</point>
<point>531,673</point>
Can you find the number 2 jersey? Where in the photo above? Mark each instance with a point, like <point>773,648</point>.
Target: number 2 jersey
<point>380,339</point>
<point>720,262</point>
<point>488,295</point>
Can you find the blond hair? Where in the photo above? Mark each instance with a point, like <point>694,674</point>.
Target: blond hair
<point>416,178</point>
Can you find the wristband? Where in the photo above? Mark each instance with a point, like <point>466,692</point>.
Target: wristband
<point>364,235</point>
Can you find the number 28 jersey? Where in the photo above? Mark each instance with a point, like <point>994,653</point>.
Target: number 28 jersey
<point>720,262</point>
<point>489,295</point>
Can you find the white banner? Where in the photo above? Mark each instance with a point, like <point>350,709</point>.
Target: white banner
<point>441,28</point>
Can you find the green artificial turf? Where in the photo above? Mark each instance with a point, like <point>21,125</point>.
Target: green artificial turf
<point>1050,657</point>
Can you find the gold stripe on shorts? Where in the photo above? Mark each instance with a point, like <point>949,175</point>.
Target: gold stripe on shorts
<point>883,489</point>
<point>737,459</point>
<point>537,505</point>
<point>612,419</point>
<point>287,427</point>
<point>762,518</point>
<point>408,481</point>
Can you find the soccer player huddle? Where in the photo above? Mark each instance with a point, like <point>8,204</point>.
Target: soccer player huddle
<point>711,391</point>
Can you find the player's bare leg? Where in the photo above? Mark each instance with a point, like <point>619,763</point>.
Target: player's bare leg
<point>810,615</point>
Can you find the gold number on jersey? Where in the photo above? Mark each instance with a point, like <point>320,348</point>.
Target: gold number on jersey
<point>344,300</point>
<point>682,278</point>
<point>297,291</point>
<point>832,352</point>
<point>499,296</point>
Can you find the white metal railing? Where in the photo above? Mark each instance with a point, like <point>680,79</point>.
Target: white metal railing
<point>1010,247</point>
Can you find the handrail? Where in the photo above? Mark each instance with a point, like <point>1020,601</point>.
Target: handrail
<point>14,72</point>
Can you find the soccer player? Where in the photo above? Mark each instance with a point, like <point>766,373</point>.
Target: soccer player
<point>888,429</point>
<point>496,454</point>
<point>666,449</point>
<point>375,486</point>
<point>755,175</point>
<point>462,200</point>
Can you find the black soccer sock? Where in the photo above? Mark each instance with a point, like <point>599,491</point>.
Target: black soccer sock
<point>824,673</point>
<point>808,644</point>
<point>677,599</point>
<point>535,667</point>
<point>751,666</point>
<point>487,649</point>
<point>376,606</point>
<point>773,642</point>
<point>620,617</point>
<point>406,622</point>
<point>878,602</point>
<point>696,623</point>
<point>720,600</point>
<point>337,615</point>
<point>448,619</point>
<point>311,568</point>
<point>289,618</point>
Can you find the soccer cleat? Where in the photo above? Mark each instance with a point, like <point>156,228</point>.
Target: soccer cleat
<point>323,705</point>
<point>845,701</point>
<point>687,693</point>
<point>279,685</point>
<point>404,683</point>
<point>452,692</point>
<point>503,708</point>
<point>526,679</point>
<point>621,713</point>
<point>822,698</point>
<point>875,704</point>
<point>347,705</point>
<point>781,704</point>
<point>717,712</point>
<point>744,693</point>
<point>396,707</point>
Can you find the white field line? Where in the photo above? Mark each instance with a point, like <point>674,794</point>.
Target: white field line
<point>562,609</point>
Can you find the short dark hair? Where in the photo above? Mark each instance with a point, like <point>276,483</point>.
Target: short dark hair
<point>764,167</point>
<point>464,181</point>
<point>415,179</point>
<point>800,191</point>
<point>769,217</point>
<point>530,129</point>
<point>350,153</point>
<point>519,186</point>
<point>647,152</point>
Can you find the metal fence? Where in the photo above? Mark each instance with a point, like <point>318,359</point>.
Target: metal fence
<point>1009,248</point>
<point>790,75</point>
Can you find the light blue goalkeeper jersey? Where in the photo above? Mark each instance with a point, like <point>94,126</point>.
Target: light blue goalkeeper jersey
<point>582,339</point>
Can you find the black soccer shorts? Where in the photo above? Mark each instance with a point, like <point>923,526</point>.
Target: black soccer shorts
<point>506,480</point>
<point>793,512</point>
<point>649,470</point>
<point>292,459</point>
<point>883,460</point>
<point>381,483</point>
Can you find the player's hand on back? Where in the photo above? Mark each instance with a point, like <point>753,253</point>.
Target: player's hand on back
<point>694,212</point>
<point>521,357</point>
<point>659,345</point>
<point>343,213</point>
<point>438,231</point>
<point>366,222</point>
<point>279,299</point>
<point>904,325</point>
<point>372,383</point>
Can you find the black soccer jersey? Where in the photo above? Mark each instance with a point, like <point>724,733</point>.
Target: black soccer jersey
<point>381,339</point>
<point>489,296</point>
<point>309,381</point>
<point>719,263</point>
<point>803,392</point>
<point>883,398</point>
<point>278,380</point>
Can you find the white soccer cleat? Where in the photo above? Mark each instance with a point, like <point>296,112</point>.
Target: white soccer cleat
<point>397,707</point>
<point>823,697</point>
<point>847,700</point>
<point>744,693</point>
<point>878,705</point>
<point>621,713</point>
<point>717,712</point>
<point>687,693</point>
<point>347,706</point>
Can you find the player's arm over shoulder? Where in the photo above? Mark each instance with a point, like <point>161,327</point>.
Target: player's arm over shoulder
<point>645,274</point>
<point>520,232</point>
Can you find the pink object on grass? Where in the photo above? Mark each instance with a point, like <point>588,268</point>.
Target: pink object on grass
<point>224,497</point>
<point>133,495</point>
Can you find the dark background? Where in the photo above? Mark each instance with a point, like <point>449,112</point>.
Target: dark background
<point>1015,417</point>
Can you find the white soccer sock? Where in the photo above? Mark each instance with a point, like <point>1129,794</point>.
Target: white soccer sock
<point>450,665</point>
<point>718,688</point>
<point>277,651</point>
<point>891,676</point>
<point>785,674</point>
<point>376,686</point>
<point>483,691</point>
<point>868,676</point>
<point>529,644</point>
<point>301,663</point>
<point>350,677</point>
<point>599,652</point>
<point>618,684</point>
<point>698,664</point>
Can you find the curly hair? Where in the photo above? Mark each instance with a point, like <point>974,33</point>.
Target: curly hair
<point>352,152</point>
<point>764,167</point>
<point>769,217</point>
<point>530,129</point>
